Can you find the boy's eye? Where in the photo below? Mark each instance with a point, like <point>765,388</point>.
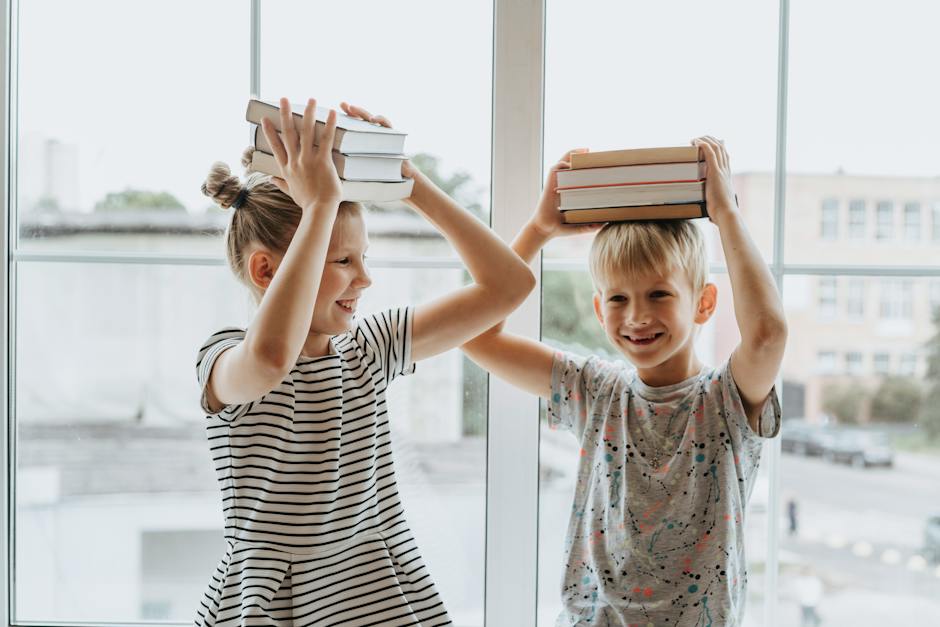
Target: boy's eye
<point>617,298</point>
<point>660,294</point>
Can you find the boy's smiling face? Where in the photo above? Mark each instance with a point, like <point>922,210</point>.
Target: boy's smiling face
<point>651,320</point>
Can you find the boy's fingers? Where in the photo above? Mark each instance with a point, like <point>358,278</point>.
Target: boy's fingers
<point>274,139</point>
<point>382,120</point>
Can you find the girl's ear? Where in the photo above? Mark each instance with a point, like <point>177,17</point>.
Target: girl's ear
<point>261,267</point>
<point>707,301</point>
<point>598,310</point>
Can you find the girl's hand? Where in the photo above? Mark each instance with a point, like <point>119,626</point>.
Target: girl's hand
<point>308,175</point>
<point>547,219</point>
<point>407,170</point>
<point>719,190</point>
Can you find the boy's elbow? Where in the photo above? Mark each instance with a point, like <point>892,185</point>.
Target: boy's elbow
<point>770,333</point>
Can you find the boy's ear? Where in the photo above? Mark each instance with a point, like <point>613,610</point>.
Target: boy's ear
<point>261,267</point>
<point>707,301</point>
<point>598,312</point>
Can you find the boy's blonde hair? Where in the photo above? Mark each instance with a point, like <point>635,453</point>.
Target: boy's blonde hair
<point>633,249</point>
<point>265,216</point>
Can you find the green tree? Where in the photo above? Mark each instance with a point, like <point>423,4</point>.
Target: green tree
<point>930,409</point>
<point>844,401</point>
<point>133,200</point>
<point>459,185</point>
<point>47,203</point>
<point>897,399</point>
<point>570,318</point>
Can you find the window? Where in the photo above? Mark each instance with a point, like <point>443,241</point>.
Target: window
<point>857,219</point>
<point>829,219</point>
<point>826,362</point>
<point>935,210</point>
<point>912,228</point>
<point>855,299</point>
<point>884,213</point>
<point>908,364</point>
<point>827,297</point>
<point>933,301</point>
<point>897,299</point>
<point>882,363</point>
<point>853,363</point>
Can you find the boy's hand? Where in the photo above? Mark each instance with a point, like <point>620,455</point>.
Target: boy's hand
<point>308,174</point>
<point>547,219</point>
<point>407,169</point>
<point>719,191</point>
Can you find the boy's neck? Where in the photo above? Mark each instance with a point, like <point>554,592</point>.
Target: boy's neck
<point>676,369</point>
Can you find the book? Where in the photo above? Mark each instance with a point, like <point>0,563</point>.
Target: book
<point>352,167</point>
<point>642,212</point>
<point>619,175</point>
<point>626,195</point>
<point>375,191</point>
<point>634,156</point>
<point>353,136</point>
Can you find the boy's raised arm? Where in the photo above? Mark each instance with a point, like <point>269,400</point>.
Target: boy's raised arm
<point>524,362</point>
<point>755,363</point>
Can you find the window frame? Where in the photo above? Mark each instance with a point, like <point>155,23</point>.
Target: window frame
<point>516,167</point>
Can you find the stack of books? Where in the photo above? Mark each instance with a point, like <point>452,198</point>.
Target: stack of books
<point>637,184</point>
<point>368,156</point>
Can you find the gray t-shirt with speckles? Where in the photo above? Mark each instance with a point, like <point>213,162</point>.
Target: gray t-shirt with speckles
<point>656,535</point>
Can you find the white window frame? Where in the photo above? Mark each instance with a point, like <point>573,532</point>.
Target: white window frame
<point>512,453</point>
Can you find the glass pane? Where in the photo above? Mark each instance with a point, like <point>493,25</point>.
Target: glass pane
<point>568,323</point>
<point>860,472</point>
<point>633,75</point>
<point>861,133</point>
<point>118,135</point>
<point>406,61</point>
<point>115,487</point>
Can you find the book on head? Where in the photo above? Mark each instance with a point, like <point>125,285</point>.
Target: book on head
<point>644,212</point>
<point>620,175</point>
<point>375,191</point>
<point>634,156</point>
<point>352,167</point>
<point>626,195</point>
<point>352,134</point>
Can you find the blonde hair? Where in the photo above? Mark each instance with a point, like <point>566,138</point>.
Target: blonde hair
<point>266,215</point>
<point>633,249</point>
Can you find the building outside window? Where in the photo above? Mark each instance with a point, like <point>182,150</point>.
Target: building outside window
<point>884,220</point>
<point>912,223</point>
<point>897,299</point>
<point>828,297</point>
<point>855,298</point>
<point>829,219</point>
<point>857,219</point>
<point>882,363</point>
<point>853,363</point>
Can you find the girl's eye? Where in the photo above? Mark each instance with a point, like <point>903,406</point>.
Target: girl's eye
<point>343,261</point>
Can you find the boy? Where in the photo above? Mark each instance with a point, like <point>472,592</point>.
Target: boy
<point>669,449</point>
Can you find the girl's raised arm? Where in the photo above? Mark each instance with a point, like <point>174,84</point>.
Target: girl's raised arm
<point>276,335</point>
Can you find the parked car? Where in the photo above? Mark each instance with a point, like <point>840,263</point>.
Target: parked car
<point>932,539</point>
<point>802,438</point>
<point>858,448</point>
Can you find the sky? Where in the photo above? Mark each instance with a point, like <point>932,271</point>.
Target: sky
<point>152,94</point>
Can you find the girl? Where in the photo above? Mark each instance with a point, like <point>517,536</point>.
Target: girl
<point>297,419</point>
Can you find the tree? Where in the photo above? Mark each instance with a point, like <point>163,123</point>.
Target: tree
<point>570,319</point>
<point>458,185</point>
<point>844,401</point>
<point>897,399</point>
<point>133,200</point>
<point>930,409</point>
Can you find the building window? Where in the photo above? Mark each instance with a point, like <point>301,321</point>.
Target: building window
<point>882,363</point>
<point>829,219</point>
<point>853,363</point>
<point>855,299</point>
<point>827,297</point>
<point>934,297</point>
<point>912,225</point>
<point>884,214</point>
<point>897,299</point>
<point>935,210</point>
<point>857,215</point>
<point>826,362</point>
<point>908,364</point>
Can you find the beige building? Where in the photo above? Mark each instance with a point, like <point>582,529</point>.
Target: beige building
<point>849,327</point>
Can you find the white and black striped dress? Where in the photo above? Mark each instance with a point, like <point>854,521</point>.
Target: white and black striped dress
<point>314,525</point>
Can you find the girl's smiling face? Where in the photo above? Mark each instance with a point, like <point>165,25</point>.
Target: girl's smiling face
<point>345,277</point>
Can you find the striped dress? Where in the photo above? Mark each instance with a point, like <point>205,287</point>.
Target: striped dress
<point>314,527</point>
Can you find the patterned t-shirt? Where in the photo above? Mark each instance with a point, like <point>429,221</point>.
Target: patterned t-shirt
<point>656,535</point>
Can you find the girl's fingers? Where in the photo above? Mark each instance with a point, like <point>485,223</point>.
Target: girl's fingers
<point>287,128</point>
<point>382,120</point>
<point>274,140</point>
<point>326,138</point>
<point>309,125</point>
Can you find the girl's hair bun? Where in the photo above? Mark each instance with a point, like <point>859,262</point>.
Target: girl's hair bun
<point>221,185</point>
